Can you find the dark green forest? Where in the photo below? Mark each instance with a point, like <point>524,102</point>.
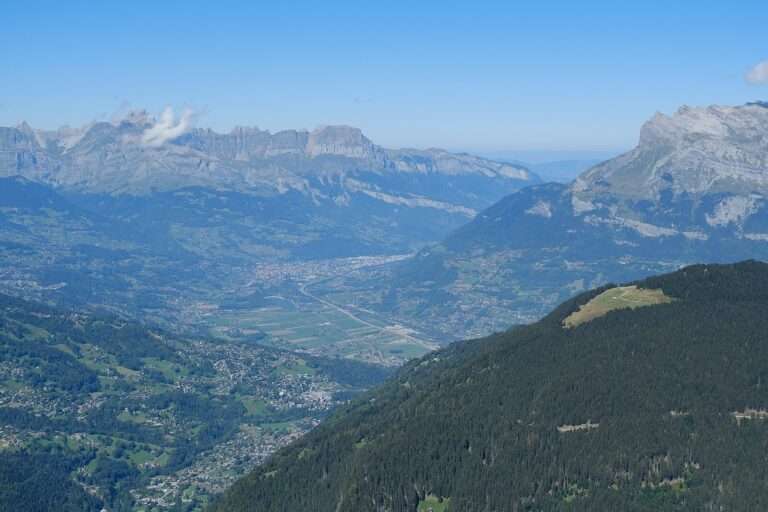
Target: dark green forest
<point>655,408</point>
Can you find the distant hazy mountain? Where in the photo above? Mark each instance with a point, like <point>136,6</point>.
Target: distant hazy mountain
<point>137,156</point>
<point>648,397</point>
<point>694,189</point>
<point>147,216</point>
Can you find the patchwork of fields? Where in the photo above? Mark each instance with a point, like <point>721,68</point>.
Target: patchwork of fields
<point>307,323</point>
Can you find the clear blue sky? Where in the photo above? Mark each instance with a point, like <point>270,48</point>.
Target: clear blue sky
<point>478,76</point>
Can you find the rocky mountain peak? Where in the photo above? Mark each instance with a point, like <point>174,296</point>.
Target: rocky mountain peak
<point>718,122</point>
<point>24,128</point>
<point>339,140</point>
<point>16,138</point>
<point>696,151</point>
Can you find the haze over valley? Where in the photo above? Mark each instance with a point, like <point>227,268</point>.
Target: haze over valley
<point>377,257</point>
<point>221,234</point>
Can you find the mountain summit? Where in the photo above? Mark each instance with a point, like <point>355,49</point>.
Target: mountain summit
<point>694,152</point>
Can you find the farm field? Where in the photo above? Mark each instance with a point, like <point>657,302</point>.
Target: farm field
<point>321,328</point>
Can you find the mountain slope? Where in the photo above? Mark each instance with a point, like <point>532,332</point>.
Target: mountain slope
<point>99,412</point>
<point>693,190</point>
<point>56,249</point>
<point>660,407</point>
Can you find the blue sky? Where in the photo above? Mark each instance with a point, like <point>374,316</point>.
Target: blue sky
<point>479,76</point>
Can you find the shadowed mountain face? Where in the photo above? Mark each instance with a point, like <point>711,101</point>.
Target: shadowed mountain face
<point>148,216</point>
<point>694,190</point>
<point>655,403</point>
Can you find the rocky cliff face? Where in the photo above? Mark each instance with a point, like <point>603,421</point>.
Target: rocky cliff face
<point>342,141</point>
<point>694,152</point>
<point>141,154</point>
<point>694,173</point>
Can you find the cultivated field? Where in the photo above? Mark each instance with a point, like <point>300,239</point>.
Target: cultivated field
<point>321,328</point>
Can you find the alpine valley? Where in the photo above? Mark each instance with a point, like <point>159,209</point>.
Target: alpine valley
<point>217,234</point>
<point>372,257</point>
<point>179,304</point>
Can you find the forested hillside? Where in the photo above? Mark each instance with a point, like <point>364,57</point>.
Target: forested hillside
<point>661,405</point>
<point>99,412</point>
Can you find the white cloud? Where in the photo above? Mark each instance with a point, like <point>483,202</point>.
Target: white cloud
<point>167,127</point>
<point>758,74</point>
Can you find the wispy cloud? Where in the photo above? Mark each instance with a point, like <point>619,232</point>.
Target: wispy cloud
<point>168,127</point>
<point>758,74</point>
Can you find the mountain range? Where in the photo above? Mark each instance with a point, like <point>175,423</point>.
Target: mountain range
<point>140,154</point>
<point>693,190</point>
<point>148,215</point>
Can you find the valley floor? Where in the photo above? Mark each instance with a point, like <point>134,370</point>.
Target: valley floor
<point>296,316</point>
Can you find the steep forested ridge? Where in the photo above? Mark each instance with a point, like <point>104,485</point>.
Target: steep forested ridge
<point>654,408</point>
